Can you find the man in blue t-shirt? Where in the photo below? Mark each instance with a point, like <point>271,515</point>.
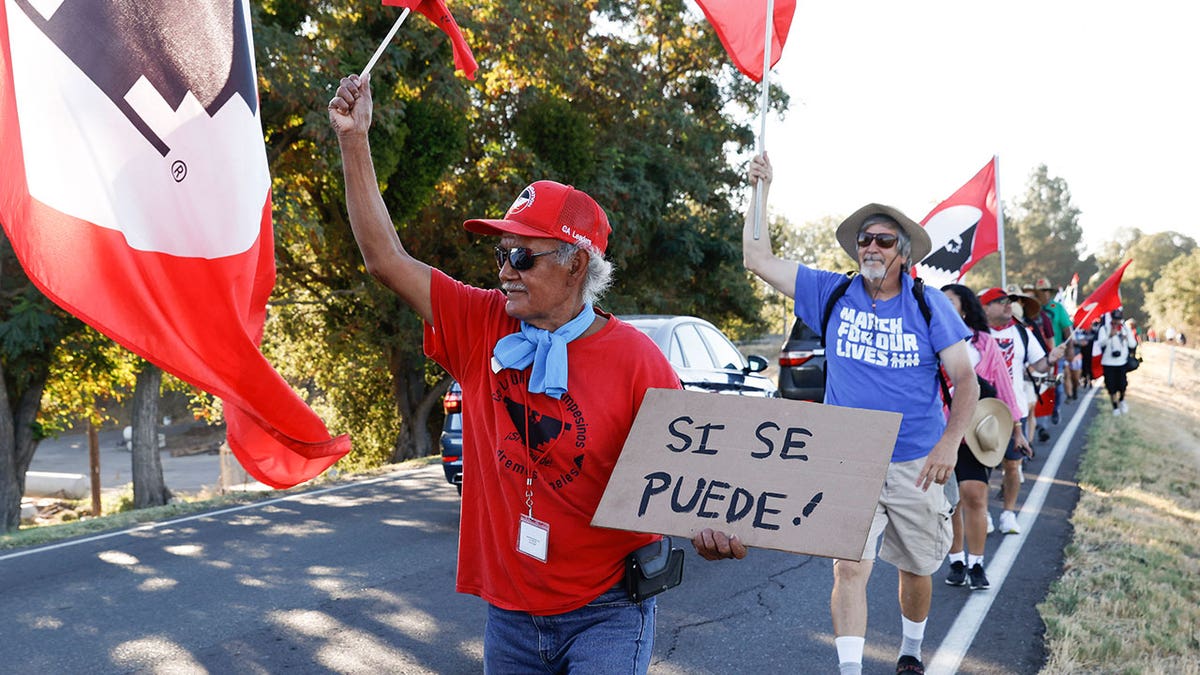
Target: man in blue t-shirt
<point>882,353</point>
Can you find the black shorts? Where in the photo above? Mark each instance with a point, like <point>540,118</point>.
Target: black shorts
<point>1114,379</point>
<point>969,468</point>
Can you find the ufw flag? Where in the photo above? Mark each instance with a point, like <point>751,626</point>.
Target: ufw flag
<point>1103,300</point>
<point>741,27</point>
<point>963,229</point>
<point>136,195</point>
<point>437,12</point>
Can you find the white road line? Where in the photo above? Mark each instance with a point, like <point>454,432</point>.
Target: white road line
<point>962,632</point>
<point>207,514</point>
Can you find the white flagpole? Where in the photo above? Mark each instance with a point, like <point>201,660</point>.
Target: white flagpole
<point>1000,225</point>
<point>759,202</point>
<point>383,45</point>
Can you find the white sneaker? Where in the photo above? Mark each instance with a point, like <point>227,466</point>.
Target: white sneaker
<point>1008,523</point>
<point>991,525</point>
<point>1124,407</point>
<point>1116,412</point>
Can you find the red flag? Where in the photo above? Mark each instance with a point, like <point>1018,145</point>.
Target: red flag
<point>441,17</point>
<point>741,26</point>
<point>963,229</point>
<point>1104,299</point>
<point>136,195</point>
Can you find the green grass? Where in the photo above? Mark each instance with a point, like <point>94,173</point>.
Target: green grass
<point>1129,597</point>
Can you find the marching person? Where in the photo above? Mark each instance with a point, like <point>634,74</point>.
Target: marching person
<point>1022,352</point>
<point>1114,340</point>
<point>970,519</point>
<point>907,336</point>
<point>551,386</point>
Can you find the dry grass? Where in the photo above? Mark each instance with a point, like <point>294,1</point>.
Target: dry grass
<point>1129,598</point>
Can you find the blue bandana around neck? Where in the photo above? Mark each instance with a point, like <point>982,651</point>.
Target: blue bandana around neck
<point>546,350</point>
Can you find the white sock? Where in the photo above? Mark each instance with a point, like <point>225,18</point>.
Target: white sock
<point>914,633</point>
<point>959,557</point>
<point>973,560</point>
<point>850,651</point>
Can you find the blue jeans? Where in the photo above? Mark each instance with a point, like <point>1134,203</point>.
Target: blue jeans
<point>609,635</point>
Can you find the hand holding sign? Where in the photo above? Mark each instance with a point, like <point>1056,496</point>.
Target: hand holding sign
<point>773,473</point>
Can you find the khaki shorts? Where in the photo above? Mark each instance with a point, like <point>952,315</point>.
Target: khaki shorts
<point>915,525</point>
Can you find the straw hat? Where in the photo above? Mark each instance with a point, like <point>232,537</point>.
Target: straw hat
<point>1030,305</point>
<point>847,231</point>
<point>990,429</point>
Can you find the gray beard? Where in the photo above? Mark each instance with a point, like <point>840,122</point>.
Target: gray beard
<point>874,272</point>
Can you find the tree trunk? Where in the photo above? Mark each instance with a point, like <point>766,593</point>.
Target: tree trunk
<point>11,485</point>
<point>17,444</point>
<point>149,488</point>
<point>413,405</point>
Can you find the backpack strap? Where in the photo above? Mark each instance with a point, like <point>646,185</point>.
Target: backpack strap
<point>836,295</point>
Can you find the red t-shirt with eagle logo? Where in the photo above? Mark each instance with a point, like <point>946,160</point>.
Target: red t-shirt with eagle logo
<point>573,444</point>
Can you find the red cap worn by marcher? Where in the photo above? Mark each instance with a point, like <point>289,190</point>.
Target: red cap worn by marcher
<point>547,209</point>
<point>991,295</point>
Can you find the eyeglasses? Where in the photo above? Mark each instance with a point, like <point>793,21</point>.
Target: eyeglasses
<point>884,239</point>
<point>520,258</point>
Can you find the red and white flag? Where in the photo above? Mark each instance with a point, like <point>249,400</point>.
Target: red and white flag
<point>741,27</point>
<point>1104,299</point>
<point>136,195</point>
<point>1068,296</point>
<point>440,15</point>
<point>963,229</point>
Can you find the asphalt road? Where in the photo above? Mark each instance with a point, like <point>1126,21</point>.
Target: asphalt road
<point>359,578</point>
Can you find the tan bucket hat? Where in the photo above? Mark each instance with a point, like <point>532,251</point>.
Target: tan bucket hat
<point>989,431</point>
<point>847,232</point>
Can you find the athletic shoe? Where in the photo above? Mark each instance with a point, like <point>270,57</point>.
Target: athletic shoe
<point>910,665</point>
<point>978,578</point>
<point>1043,435</point>
<point>1124,407</point>
<point>1008,523</point>
<point>1116,412</point>
<point>991,525</point>
<point>958,574</point>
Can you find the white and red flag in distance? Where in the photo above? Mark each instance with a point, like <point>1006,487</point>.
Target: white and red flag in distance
<point>963,229</point>
<point>1104,299</point>
<point>1068,296</point>
<point>136,194</point>
<point>740,25</point>
<point>440,15</point>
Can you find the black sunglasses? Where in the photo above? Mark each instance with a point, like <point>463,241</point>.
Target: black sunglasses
<point>520,258</point>
<point>884,239</point>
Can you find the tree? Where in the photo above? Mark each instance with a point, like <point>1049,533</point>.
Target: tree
<point>1042,234</point>
<point>1175,299</point>
<point>30,329</point>
<point>628,100</point>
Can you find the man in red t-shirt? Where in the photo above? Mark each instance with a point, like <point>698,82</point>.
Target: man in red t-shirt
<point>551,387</point>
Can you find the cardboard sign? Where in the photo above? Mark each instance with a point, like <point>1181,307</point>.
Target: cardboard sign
<point>780,474</point>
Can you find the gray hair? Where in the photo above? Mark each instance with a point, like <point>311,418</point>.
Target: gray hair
<point>599,275</point>
<point>903,243</point>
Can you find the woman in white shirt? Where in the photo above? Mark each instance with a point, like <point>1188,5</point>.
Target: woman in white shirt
<point>1114,340</point>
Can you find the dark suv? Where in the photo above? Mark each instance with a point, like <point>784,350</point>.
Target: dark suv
<point>802,365</point>
<point>451,438</point>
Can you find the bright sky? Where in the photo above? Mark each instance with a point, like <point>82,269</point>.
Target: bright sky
<point>902,102</point>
